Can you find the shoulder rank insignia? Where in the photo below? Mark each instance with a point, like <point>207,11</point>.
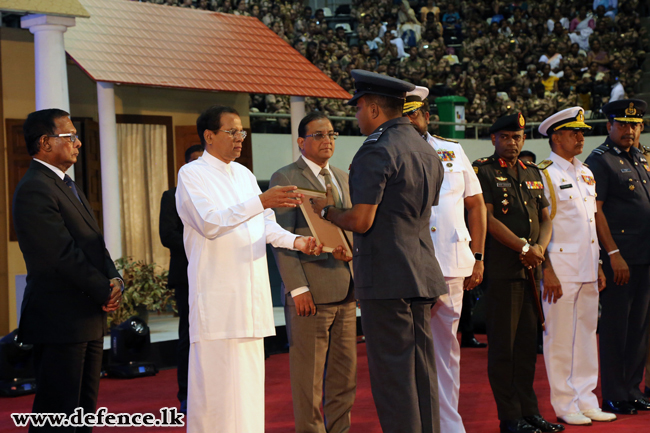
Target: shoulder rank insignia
<point>483,161</point>
<point>446,155</point>
<point>535,184</point>
<point>600,149</point>
<point>374,136</point>
<point>443,138</point>
<point>545,164</point>
<point>644,149</point>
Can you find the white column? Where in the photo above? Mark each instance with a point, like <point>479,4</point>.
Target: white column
<point>297,113</point>
<point>50,62</point>
<point>110,169</point>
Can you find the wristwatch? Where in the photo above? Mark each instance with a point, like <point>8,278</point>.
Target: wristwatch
<point>525,248</point>
<point>478,257</point>
<point>323,212</point>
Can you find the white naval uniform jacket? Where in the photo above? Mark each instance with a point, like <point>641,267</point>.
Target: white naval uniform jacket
<point>574,249</point>
<point>226,230</point>
<point>449,233</point>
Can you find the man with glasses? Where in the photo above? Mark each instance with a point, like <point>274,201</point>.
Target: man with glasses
<point>622,176</point>
<point>461,262</point>
<point>71,279</point>
<point>227,222</point>
<point>320,308</point>
<point>572,276</point>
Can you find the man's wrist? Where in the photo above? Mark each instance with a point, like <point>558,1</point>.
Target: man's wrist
<point>325,211</point>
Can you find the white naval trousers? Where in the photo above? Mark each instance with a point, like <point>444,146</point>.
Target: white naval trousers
<point>445,315</point>
<point>225,391</point>
<point>570,348</point>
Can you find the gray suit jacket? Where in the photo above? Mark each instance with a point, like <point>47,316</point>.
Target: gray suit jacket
<point>328,279</point>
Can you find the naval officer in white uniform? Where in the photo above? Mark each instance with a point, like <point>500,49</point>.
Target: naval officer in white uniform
<point>572,275</point>
<point>458,250</point>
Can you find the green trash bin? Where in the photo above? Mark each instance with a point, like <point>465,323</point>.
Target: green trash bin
<point>452,109</point>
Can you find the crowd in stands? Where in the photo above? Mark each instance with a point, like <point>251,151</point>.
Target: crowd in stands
<point>536,56</point>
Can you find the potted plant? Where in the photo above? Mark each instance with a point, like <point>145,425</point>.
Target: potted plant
<point>145,289</point>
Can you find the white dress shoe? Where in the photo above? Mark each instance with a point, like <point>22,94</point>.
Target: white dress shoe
<point>598,415</point>
<point>574,419</point>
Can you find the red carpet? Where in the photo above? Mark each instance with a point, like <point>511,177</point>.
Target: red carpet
<point>476,403</point>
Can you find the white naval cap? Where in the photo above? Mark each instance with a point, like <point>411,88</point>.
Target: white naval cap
<point>570,118</point>
<point>414,99</point>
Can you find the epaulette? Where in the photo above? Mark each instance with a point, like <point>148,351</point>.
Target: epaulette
<point>600,149</point>
<point>373,137</point>
<point>544,164</point>
<point>531,164</point>
<point>644,149</point>
<point>483,161</point>
<point>443,138</point>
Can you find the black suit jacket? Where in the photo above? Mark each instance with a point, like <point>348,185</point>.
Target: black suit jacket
<point>68,266</point>
<point>170,228</point>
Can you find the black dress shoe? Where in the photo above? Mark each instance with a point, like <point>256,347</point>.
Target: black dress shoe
<point>517,426</point>
<point>472,342</point>
<point>544,426</point>
<point>622,407</point>
<point>641,403</point>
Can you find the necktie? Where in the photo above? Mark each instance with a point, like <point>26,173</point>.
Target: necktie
<point>68,181</point>
<point>328,181</point>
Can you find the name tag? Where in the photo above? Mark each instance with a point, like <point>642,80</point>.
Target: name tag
<point>626,170</point>
<point>504,185</point>
<point>566,186</point>
<point>535,185</point>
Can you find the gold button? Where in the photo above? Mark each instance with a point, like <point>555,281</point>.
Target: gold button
<point>585,198</point>
<point>570,196</point>
<point>519,185</point>
<point>525,202</point>
<point>592,241</point>
<point>636,163</point>
<point>591,219</point>
<point>644,181</point>
<point>433,229</point>
<point>561,250</point>
<point>631,180</point>
<point>530,240</point>
<point>529,220</point>
<point>505,195</point>
<point>622,231</point>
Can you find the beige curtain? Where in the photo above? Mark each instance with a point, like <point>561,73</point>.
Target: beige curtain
<point>143,174</point>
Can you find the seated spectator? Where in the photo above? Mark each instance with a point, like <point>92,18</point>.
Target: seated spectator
<point>549,81</point>
<point>410,29</point>
<point>575,59</point>
<point>566,96</point>
<point>429,8</point>
<point>618,88</point>
<point>540,105</point>
<point>552,58</point>
<point>582,28</point>
<point>598,55</point>
<point>557,18</point>
<point>414,68</point>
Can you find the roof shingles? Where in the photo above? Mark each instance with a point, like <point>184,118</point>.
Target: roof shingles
<point>145,44</point>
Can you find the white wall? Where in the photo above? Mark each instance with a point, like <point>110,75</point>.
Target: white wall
<point>272,151</point>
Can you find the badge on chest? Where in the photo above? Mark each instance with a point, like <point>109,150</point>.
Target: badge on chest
<point>534,184</point>
<point>446,155</point>
<point>589,180</point>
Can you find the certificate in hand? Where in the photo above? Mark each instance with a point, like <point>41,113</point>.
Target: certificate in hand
<point>324,231</point>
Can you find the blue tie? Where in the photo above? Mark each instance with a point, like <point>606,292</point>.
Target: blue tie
<point>68,181</point>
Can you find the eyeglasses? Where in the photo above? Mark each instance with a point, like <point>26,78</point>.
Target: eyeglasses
<point>234,133</point>
<point>318,136</point>
<point>73,137</point>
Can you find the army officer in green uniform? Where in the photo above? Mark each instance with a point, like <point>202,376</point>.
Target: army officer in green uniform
<point>519,230</point>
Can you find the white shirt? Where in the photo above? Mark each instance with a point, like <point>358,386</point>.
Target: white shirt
<point>315,168</point>
<point>226,230</point>
<point>573,250</point>
<point>56,170</point>
<point>447,224</point>
<point>618,92</point>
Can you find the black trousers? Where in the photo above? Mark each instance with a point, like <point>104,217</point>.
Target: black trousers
<point>512,347</point>
<point>67,377</point>
<point>401,364</point>
<point>624,328</point>
<point>183,348</point>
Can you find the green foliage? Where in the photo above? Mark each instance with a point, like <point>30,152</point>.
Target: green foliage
<point>144,285</point>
